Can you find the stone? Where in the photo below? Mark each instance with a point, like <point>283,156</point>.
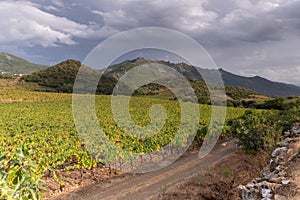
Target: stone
<point>242,190</point>
<point>224,144</point>
<point>267,176</point>
<point>258,179</point>
<point>285,182</point>
<point>250,185</point>
<point>266,193</point>
<point>280,160</point>
<point>282,173</point>
<point>275,180</point>
<point>274,176</point>
<point>283,144</point>
<point>288,140</point>
<point>279,197</point>
<point>246,194</point>
<point>279,151</point>
<point>290,152</point>
<point>259,185</point>
<point>295,130</point>
<point>272,165</point>
<point>287,133</point>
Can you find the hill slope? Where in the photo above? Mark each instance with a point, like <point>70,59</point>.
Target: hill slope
<point>10,65</point>
<point>61,77</point>
<point>261,85</point>
<point>257,84</point>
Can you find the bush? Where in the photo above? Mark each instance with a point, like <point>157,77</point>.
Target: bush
<point>277,104</point>
<point>288,117</point>
<point>256,130</point>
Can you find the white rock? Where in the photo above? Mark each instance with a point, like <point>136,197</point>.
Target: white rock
<point>278,168</point>
<point>224,144</point>
<point>250,185</point>
<point>275,180</point>
<point>279,151</point>
<point>266,193</point>
<point>285,182</point>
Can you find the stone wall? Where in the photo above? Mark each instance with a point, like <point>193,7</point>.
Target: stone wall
<point>275,175</point>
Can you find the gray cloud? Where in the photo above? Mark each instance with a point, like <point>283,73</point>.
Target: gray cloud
<point>258,37</point>
<point>27,25</point>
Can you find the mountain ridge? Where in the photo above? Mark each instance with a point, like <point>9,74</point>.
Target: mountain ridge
<point>258,84</point>
<point>14,65</point>
<point>61,78</point>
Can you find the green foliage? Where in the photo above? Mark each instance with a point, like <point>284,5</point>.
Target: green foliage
<point>290,116</point>
<point>263,129</point>
<point>276,103</point>
<point>19,176</point>
<point>61,78</point>
<point>257,130</point>
<point>42,125</point>
<point>45,131</point>
<point>238,93</point>
<point>249,104</point>
<point>226,171</point>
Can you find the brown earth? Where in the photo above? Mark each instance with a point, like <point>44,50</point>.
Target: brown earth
<point>73,179</point>
<point>220,181</point>
<point>295,172</point>
<point>213,177</point>
<point>292,191</point>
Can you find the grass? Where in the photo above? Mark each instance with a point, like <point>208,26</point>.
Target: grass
<point>226,171</point>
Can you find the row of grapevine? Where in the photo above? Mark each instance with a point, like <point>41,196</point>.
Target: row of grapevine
<point>37,134</point>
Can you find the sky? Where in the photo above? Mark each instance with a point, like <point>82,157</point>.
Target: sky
<point>246,37</point>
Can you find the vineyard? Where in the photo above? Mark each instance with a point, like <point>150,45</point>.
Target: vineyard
<point>37,134</point>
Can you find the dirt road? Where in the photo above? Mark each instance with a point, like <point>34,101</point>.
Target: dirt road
<point>145,186</point>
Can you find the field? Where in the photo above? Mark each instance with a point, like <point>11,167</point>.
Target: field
<point>41,126</point>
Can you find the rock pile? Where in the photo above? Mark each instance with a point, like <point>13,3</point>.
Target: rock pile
<point>275,175</point>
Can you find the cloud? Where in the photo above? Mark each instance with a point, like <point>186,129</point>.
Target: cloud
<point>116,19</point>
<point>181,15</point>
<point>25,24</point>
<point>240,35</point>
<point>58,3</point>
<point>211,21</point>
<point>289,75</point>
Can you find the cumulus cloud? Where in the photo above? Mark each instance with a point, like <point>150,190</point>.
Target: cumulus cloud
<point>25,24</point>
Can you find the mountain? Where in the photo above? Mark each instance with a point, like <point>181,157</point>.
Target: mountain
<point>239,89</point>
<point>257,84</point>
<point>13,65</point>
<point>260,85</point>
<point>61,77</point>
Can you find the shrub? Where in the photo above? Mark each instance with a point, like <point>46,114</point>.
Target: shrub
<point>277,104</point>
<point>256,130</point>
